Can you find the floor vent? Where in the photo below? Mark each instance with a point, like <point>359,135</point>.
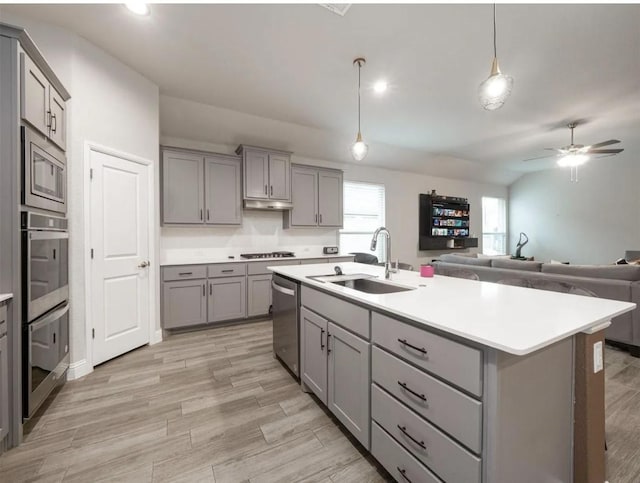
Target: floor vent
<point>337,8</point>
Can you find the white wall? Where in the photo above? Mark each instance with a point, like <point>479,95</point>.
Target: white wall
<point>111,105</point>
<point>401,191</point>
<point>592,221</point>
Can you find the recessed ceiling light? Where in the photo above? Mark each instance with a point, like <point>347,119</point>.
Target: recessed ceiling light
<point>139,8</point>
<point>380,87</point>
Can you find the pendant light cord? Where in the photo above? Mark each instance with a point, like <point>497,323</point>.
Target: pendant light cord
<point>495,50</point>
<point>359,67</point>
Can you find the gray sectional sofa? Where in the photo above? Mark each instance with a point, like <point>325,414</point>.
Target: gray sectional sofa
<point>618,282</point>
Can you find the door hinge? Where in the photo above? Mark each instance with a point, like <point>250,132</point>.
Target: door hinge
<point>91,173</point>
<point>93,333</point>
<point>92,254</point>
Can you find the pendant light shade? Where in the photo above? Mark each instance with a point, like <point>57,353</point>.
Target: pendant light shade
<point>495,90</point>
<point>359,149</point>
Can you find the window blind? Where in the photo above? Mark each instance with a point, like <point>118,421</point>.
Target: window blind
<point>364,209</point>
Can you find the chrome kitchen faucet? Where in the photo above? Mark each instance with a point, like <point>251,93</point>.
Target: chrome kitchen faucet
<point>374,242</point>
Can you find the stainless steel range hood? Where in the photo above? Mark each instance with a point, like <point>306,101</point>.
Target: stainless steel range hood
<point>272,205</point>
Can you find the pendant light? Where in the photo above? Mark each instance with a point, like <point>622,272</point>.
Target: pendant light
<point>359,149</point>
<point>495,90</point>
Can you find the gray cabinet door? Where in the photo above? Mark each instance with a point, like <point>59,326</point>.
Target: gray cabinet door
<point>223,196</point>
<point>182,188</point>
<point>34,95</point>
<point>329,198</point>
<point>256,174</point>
<point>227,298</point>
<point>304,196</point>
<point>4,388</point>
<point>184,303</point>
<point>279,177</point>
<point>58,119</point>
<point>258,295</point>
<point>348,388</point>
<point>313,355</point>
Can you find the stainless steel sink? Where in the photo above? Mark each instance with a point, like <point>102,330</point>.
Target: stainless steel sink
<point>341,277</point>
<point>372,286</point>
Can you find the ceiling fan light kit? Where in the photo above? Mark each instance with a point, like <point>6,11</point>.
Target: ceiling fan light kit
<point>359,149</point>
<point>495,90</point>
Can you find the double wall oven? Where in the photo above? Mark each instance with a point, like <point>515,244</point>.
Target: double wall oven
<point>45,270</point>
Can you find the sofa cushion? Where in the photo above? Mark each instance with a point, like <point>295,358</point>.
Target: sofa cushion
<point>517,265</point>
<point>613,272</point>
<point>453,258</point>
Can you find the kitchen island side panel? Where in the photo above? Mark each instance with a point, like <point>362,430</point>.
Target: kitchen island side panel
<point>529,415</point>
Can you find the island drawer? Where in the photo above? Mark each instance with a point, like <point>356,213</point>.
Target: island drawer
<point>184,272</point>
<point>455,362</point>
<point>345,314</point>
<point>397,460</point>
<point>452,411</point>
<point>227,270</point>
<point>260,268</point>
<point>429,445</point>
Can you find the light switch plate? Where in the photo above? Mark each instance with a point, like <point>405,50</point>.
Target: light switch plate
<point>598,357</point>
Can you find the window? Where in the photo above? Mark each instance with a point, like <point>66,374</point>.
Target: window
<point>363,214</point>
<point>494,226</point>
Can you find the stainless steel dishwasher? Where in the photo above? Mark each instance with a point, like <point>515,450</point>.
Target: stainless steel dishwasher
<point>285,301</point>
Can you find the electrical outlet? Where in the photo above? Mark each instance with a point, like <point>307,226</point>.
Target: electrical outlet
<point>598,357</point>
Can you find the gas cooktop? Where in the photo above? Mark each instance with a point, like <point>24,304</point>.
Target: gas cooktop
<point>268,255</point>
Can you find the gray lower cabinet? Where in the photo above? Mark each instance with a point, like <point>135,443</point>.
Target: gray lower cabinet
<point>184,303</point>
<point>348,378</point>
<point>182,188</point>
<point>227,298</point>
<point>4,375</point>
<point>316,195</point>
<point>258,295</point>
<point>313,355</point>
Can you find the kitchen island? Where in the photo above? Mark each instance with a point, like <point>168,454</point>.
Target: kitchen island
<point>458,380</point>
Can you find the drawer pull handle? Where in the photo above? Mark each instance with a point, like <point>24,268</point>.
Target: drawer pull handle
<point>402,473</point>
<point>404,386</point>
<point>185,273</point>
<point>404,431</point>
<point>228,271</point>
<point>419,349</point>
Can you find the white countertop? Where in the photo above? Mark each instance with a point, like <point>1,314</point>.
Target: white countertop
<point>5,296</point>
<point>512,319</point>
<point>196,260</point>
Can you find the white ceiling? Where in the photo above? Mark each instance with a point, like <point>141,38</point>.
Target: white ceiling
<point>293,63</point>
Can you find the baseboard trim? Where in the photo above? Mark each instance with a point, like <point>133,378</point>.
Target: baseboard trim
<point>78,369</point>
<point>157,337</point>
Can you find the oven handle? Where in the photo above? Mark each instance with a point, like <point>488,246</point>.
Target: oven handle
<point>278,288</point>
<point>48,235</point>
<point>47,319</point>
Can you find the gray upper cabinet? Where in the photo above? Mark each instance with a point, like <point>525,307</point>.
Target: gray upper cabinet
<point>227,298</point>
<point>40,104</point>
<point>223,187</point>
<point>201,189</point>
<point>182,188</point>
<point>184,303</point>
<point>267,173</point>
<point>330,198</point>
<point>304,196</point>
<point>316,195</point>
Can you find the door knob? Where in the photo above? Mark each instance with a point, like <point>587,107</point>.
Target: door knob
<point>144,264</point>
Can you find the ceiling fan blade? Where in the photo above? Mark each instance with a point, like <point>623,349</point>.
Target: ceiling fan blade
<point>539,157</point>
<point>605,151</point>
<point>605,143</point>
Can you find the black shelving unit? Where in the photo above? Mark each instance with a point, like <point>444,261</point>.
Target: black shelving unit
<point>444,223</point>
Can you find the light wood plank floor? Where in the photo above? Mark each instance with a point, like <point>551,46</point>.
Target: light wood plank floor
<point>215,406</point>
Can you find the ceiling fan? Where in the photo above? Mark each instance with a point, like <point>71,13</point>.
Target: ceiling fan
<point>575,155</point>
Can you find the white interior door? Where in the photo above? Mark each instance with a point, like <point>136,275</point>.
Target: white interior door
<point>120,241</point>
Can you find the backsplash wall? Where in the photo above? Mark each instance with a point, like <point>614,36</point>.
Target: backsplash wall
<point>261,231</point>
